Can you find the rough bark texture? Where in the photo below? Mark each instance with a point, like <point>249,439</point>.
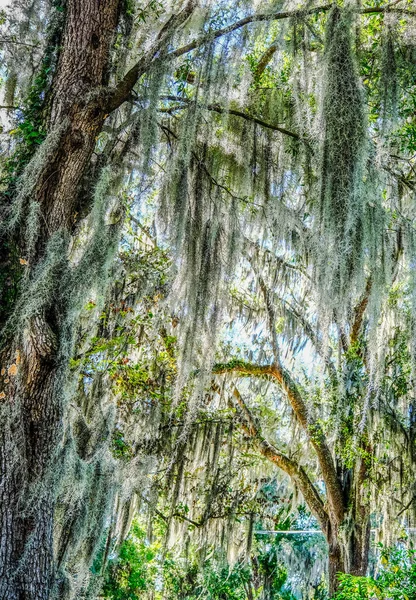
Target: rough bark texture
<point>350,555</point>
<point>31,410</point>
<point>33,407</point>
<point>34,360</point>
<point>78,96</point>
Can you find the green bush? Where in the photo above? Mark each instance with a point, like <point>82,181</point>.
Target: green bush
<point>396,579</point>
<point>134,571</point>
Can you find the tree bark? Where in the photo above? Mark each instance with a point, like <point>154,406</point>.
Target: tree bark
<point>33,360</point>
<point>32,396</point>
<point>348,555</point>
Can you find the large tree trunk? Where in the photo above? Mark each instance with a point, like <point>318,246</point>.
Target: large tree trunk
<point>349,537</point>
<point>34,359</point>
<point>348,550</point>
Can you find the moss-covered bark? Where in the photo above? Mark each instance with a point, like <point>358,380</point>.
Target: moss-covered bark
<point>38,335</point>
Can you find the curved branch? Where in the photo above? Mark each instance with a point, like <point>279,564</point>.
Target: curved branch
<point>122,90</point>
<point>311,427</point>
<point>238,113</point>
<point>203,166</point>
<point>359,313</point>
<point>213,35</point>
<point>295,471</point>
<point>256,18</point>
<point>265,58</point>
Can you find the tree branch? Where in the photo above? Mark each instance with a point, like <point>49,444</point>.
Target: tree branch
<point>144,229</point>
<point>295,471</point>
<point>123,89</point>
<point>210,37</point>
<point>359,313</point>
<point>121,92</point>
<point>265,58</point>
<point>312,428</point>
<point>203,166</point>
<point>17,42</point>
<point>238,113</point>
<point>299,13</point>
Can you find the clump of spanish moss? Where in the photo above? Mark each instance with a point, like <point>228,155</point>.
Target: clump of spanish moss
<point>344,145</point>
<point>389,83</point>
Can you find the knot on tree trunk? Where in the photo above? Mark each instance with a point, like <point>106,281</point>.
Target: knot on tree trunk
<point>40,342</point>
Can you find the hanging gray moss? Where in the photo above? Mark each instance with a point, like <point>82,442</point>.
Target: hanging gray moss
<point>389,84</point>
<point>344,152</point>
<point>225,185</point>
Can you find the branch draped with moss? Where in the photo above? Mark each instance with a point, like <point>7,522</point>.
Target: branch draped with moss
<point>311,427</point>
<point>256,18</point>
<point>292,468</point>
<point>359,313</point>
<point>238,113</point>
<point>121,92</point>
<point>168,132</point>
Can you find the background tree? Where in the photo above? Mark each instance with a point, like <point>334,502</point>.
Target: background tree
<point>349,406</point>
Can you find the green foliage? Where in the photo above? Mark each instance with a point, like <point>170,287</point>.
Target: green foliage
<point>201,568</point>
<point>30,131</point>
<point>399,366</point>
<point>274,574</point>
<point>135,569</point>
<point>215,579</point>
<point>354,588</point>
<point>229,187</point>
<point>221,581</point>
<point>120,448</point>
<point>152,9</point>
<point>396,579</point>
<point>144,570</point>
<point>140,566</point>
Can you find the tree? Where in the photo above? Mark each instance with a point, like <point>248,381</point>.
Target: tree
<point>98,88</point>
<point>350,420</point>
<point>41,200</point>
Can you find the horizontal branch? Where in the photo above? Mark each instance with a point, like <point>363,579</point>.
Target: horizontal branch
<point>203,166</point>
<point>12,40</point>
<point>121,92</point>
<point>237,113</point>
<point>243,368</point>
<point>256,18</point>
